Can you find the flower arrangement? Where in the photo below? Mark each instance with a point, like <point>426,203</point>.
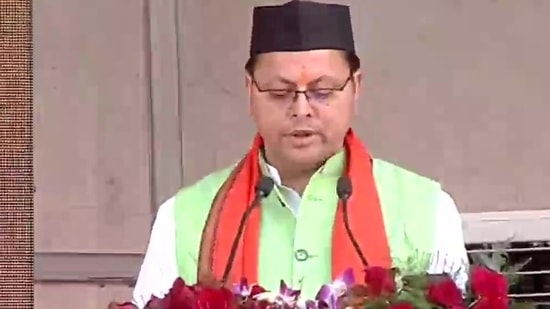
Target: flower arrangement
<point>379,289</point>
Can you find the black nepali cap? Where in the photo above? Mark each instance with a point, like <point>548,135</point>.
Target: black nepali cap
<point>301,26</point>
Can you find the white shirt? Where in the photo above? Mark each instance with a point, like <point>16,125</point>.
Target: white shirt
<point>159,268</point>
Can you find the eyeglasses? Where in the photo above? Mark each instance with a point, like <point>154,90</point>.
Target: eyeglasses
<point>322,95</point>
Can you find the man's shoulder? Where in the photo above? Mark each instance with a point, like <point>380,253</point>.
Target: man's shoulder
<point>390,169</point>
<point>403,175</point>
<point>207,185</point>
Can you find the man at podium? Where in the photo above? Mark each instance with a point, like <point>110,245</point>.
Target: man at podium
<point>314,200</point>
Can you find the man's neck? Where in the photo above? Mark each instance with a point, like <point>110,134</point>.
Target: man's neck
<point>294,176</point>
<point>296,179</point>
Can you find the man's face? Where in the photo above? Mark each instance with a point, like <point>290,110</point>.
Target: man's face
<point>303,128</point>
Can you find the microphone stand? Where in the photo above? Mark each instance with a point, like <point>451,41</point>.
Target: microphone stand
<point>344,190</point>
<point>262,190</point>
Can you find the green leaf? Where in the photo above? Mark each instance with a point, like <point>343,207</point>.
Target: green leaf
<point>496,260</point>
<point>417,282</point>
<point>519,266</point>
<point>511,271</point>
<point>499,260</point>
<point>482,259</point>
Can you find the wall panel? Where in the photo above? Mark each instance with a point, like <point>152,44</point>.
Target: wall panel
<point>92,131</point>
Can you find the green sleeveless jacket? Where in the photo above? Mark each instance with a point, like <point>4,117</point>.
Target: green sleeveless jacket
<point>297,248</point>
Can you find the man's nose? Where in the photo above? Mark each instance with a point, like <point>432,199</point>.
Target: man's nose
<point>300,106</point>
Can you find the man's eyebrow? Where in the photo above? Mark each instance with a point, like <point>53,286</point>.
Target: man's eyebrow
<point>284,80</point>
<point>321,78</point>
<point>279,79</point>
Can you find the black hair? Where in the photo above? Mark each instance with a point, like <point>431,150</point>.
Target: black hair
<point>352,59</point>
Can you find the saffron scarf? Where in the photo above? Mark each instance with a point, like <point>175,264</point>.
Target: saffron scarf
<point>237,192</point>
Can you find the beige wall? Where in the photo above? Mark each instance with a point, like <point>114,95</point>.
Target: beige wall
<point>134,97</point>
<point>456,90</point>
<point>92,143</point>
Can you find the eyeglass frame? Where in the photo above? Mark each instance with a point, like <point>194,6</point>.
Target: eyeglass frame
<point>307,93</point>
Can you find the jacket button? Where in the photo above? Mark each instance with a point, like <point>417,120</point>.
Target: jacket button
<point>301,255</point>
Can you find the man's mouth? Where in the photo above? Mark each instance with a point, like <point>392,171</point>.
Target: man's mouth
<point>302,133</point>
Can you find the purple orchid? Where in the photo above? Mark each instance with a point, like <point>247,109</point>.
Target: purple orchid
<point>241,289</point>
<point>244,290</point>
<point>329,293</point>
<point>286,296</point>
<point>287,292</point>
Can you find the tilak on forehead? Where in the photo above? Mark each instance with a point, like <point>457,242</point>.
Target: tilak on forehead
<point>304,76</point>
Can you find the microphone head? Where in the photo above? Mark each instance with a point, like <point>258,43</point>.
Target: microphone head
<point>264,186</point>
<point>343,188</point>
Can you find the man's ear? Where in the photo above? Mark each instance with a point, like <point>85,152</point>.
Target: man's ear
<point>249,84</point>
<point>357,78</point>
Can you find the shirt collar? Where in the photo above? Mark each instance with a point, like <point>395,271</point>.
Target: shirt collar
<point>334,166</point>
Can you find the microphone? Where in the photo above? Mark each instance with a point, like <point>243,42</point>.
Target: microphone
<point>263,188</point>
<point>344,190</point>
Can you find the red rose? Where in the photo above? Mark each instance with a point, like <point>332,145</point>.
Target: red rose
<point>446,293</point>
<point>379,281</point>
<point>402,306</point>
<point>213,297</point>
<point>490,287</point>
<point>179,296</point>
<point>488,283</point>
<point>256,289</point>
<point>182,296</point>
